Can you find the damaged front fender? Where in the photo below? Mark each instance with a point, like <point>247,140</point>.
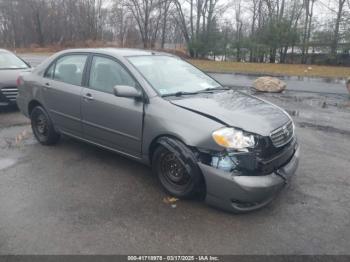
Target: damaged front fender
<point>187,158</point>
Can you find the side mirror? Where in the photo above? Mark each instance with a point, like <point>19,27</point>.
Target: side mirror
<point>127,91</point>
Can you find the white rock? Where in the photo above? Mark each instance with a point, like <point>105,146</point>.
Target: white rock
<point>269,84</point>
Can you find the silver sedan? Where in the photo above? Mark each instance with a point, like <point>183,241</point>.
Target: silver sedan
<point>202,139</point>
<point>11,67</point>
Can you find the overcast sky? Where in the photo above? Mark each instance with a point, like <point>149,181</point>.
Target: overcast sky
<point>324,10</point>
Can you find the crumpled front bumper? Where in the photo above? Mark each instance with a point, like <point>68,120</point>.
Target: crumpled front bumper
<point>237,193</point>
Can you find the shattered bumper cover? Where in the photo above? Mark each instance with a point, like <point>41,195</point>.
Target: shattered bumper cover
<point>241,193</point>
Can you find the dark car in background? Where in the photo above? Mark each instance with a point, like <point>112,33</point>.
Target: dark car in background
<point>201,139</point>
<point>11,66</point>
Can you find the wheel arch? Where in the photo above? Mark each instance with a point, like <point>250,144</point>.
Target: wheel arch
<point>156,142</point>
<point>32,104</point>
<point>176,145</point>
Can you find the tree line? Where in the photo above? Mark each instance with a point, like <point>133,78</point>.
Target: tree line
<point>242,30</point>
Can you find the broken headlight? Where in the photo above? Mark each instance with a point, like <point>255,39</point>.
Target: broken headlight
<point>232,138</point>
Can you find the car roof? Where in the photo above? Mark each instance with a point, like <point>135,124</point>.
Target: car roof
<point>122,52</point>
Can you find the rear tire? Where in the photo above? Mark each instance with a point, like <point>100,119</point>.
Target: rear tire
<point>179,175</point>
<point>42,127</point>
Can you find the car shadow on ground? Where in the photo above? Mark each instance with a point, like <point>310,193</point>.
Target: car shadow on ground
<point>8,109</point>
<point>117,168</point>
<point>89,165</point>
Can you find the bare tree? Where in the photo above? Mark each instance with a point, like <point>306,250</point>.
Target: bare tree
<point>257,30</point>
<point>120,21</point>
<point>239,25</point>
<point>339,17</point>
<point>309,6</point>
<point>255,9</point>
<point>164,10</point>
<point>146,14</point>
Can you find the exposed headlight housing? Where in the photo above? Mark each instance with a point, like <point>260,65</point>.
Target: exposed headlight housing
<point>232,138</point>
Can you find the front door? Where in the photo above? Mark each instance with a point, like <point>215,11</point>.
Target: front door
<point>111,121</point>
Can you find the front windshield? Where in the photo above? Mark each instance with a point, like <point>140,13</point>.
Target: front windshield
<point>10,61</point>
<point>170,75</point>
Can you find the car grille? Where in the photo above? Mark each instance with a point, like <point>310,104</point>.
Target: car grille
<point>282,135</point>
<point>10,93</point>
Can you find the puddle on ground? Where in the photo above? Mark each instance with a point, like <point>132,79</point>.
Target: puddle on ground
<point>309,79</point>
<point>327,129</point>
<point>304,105</point>
<point>22,136</point>
<point>316,101</point>
<point>6,163</point>
<point>293,112</point>
<point>317,111</point>
<point>306,114</point>
<point>10,137</point>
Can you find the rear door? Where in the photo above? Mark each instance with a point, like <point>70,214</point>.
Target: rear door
<point>62,92</point>
<point>111,121</point>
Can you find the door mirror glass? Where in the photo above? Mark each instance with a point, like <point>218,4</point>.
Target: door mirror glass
<point>127,91</point>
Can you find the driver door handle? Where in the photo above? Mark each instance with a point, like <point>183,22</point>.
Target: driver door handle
<point>88,97</point>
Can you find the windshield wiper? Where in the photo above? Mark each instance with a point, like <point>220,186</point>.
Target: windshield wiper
<point>218,88</point>
<point>180,93</point>
<point>11,68</point>
<point>207,90</point>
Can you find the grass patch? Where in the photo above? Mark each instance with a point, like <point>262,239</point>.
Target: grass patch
<point>273,69</point>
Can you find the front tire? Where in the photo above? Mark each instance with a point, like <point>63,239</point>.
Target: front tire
<point>179,175</point>
<point>42,127</point>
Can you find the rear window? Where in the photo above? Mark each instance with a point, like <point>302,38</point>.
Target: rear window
<point>70,69</point>
<point>10,61</point>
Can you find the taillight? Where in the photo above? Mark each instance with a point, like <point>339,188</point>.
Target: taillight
<point>19,81</point>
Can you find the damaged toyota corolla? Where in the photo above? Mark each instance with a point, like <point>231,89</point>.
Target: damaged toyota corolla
<point>201,139</point>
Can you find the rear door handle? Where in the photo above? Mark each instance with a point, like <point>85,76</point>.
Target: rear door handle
<point>88,97</point>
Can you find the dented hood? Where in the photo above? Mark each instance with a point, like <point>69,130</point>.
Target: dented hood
<point>238,110</point>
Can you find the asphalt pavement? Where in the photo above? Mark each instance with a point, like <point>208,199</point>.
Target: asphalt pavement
<point>74,198</point>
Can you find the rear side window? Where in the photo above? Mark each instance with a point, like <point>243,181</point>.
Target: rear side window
<point>106,73</point>
<point>70,69</point>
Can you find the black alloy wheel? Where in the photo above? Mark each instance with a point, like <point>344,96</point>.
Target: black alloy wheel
<point>42,127</point>
<point>179,176</point>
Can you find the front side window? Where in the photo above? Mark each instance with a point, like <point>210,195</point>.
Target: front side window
<point>70,69</point>
<point>106,73</point>
<point>170,75</point>
<point>10,61</point>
